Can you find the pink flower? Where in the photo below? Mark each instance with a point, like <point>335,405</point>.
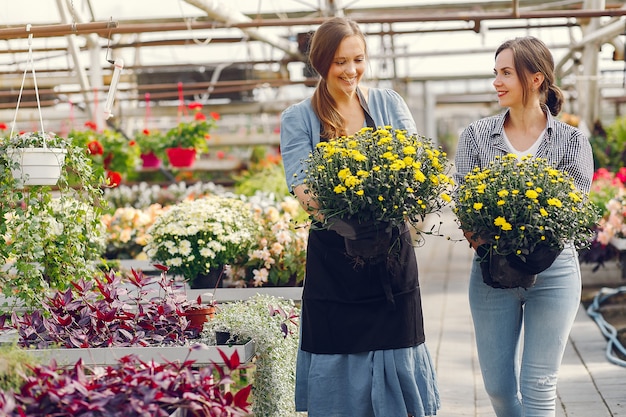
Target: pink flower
<point>602,173</point>
<point>621,175</point>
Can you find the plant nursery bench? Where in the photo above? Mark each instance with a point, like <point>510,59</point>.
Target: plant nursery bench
<point>110,355</point>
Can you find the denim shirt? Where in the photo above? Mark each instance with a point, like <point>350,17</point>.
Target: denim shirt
<point>300,128</point>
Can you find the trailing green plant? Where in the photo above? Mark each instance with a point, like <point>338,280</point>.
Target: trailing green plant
<point>15,364</point>
<point>49,239</point>
<point>272,322</point>
<point>35,140</point>
<point>269,178</point>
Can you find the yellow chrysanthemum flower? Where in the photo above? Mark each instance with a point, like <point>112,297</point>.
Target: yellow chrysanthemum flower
<point>555,202</point>
<point>343,174</point>
<point>532,194</point>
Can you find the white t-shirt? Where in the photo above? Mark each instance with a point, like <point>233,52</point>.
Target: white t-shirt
<point>530,151</point>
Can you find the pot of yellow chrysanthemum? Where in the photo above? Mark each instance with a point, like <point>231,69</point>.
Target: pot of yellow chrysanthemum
<point>524,211</point>
<point>376,180</point>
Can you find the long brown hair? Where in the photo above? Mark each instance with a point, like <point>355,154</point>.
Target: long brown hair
<point>324,44</point>
<point>530,56</point>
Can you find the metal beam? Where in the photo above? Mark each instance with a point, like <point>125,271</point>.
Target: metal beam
<point>221,12</point>
<point>74,51</point>
<point>47,31</point>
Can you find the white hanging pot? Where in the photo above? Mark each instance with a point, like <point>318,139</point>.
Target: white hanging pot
<point>36,166</point>
<point>30,164</point>
<point>619,243</point>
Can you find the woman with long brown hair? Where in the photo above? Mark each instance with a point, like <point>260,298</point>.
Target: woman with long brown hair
<point>362,335</point>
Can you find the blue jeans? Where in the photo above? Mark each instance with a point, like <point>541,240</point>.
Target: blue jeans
<point>520,371</point>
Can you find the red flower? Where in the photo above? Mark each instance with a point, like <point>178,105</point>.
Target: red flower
<point>220,154</point>
<point>114,178</point>
<point>215,115</point>
<point>107,160</point>
<point>195,105</point>
<point>199,116</point>
<point>95,148</point>
<point>91,125</point>
<point>146,132</point>
<point>132,143</point>
<point>3,126</point>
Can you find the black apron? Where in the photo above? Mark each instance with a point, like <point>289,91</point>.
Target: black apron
<point>352,307</point>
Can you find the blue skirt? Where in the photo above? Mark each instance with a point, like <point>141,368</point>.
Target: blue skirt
<point>382,383</point>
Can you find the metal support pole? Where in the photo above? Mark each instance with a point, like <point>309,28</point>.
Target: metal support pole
<point>589,102</point>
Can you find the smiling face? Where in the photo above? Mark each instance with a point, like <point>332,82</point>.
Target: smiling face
<point>347,67</point>
<point>507,82</point>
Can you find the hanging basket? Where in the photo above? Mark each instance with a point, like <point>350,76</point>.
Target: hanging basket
<point>150,160</point>
<point>619,243</point>
<point>181,157</point>
<point>36,166</point>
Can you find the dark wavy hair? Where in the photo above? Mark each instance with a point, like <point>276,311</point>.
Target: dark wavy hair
<point>530,56</point>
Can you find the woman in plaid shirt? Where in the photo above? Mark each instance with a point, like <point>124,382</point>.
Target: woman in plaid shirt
<point>520,374</point>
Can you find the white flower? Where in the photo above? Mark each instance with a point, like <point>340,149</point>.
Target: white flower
<point>277,248</point>
<point>184,247</point>
<point>283,236</point>
<point>174,261</point>
<point>208,232</point>
<point>260,276</point>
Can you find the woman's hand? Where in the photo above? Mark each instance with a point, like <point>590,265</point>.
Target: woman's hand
<point>474,242</point>
<point>307,201</point>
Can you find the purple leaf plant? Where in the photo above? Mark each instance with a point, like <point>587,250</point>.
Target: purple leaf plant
<point>139,311</point>
<point>131,388</point>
